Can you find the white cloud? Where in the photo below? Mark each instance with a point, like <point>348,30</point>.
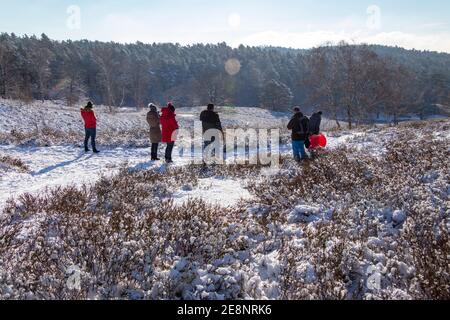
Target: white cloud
<point>434,42</point>
<point>434,26</point>
<point>143,27</point>
<point>295,40</point>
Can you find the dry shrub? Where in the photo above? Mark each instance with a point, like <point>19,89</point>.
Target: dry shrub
<point>361,189</point>
<point>14,163</point>
<point>130,241</point>
<point>47,136</point>
<point>122,233</point>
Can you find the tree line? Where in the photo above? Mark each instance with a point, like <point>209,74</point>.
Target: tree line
<point>350,82</point>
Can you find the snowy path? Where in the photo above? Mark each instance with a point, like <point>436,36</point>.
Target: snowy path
<point>60,165</point>
<point>65,165</point>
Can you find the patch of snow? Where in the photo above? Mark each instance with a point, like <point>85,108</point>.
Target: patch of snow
<point>305,214</point>
<point>215,191</point>
<point>399,217</point>
<point>62,166</point>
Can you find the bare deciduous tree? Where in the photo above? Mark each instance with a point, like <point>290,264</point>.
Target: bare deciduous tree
<point>354,82</point>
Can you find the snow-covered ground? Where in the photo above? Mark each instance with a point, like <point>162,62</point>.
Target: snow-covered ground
<point>351,224</point>
<point>15,115</point>
<point>62,165</point>
<point>216,191</point>
<point>66,164</point>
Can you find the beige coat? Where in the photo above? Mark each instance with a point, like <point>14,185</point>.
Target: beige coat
<point>155,128</point>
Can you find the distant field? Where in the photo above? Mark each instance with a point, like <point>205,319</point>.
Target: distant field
<point>45,123</point>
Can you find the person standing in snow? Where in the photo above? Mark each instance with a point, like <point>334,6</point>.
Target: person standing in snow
<point>90,125</point>
<point>210,121</point>
<point>315,122</point>
<point>153,120</point>
<point>299,125</point>
<point>169,126</point>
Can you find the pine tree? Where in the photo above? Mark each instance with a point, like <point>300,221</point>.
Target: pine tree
<point>276,96</point>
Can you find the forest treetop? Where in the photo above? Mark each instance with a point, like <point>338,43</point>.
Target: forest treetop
<point>346,80</point>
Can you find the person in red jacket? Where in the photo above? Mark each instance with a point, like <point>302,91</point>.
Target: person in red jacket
<point>90,125</point>
<point>169,126</point>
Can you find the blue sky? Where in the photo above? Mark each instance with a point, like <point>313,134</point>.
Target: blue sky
<point>291,23</point>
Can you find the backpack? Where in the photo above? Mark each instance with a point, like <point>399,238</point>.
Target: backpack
<point>306,131</point>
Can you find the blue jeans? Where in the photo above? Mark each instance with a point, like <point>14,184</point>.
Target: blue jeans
<point>299,149</point>
<point>90,134</point>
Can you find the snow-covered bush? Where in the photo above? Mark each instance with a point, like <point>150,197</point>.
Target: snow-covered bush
<point>349,225</point>
<point>8,162</point>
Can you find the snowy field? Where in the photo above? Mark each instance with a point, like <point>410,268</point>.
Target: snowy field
<point>58,159</point>
<point>369,219</point>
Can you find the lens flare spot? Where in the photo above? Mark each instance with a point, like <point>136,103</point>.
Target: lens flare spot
<point>234,20</point>
<point>232,67</point>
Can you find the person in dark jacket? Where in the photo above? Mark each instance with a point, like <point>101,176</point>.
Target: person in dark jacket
<point>210,120</point>
<point>169,126</point>
<point>153,120</point>
<point>90,125</point>
<point>299,125</point>
<point>315,122</point>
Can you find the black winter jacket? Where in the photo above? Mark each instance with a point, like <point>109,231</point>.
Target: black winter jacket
<point>314,123</point>
<point>210,120</point>
<point>299,125</point>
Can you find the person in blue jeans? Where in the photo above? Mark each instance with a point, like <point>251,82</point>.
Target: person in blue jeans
<point>90,124</point>
<point>299,125</point>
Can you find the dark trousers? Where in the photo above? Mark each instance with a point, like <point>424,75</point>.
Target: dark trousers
<point>155,150</point>
<point>169,150</point>
<point>90,134</point>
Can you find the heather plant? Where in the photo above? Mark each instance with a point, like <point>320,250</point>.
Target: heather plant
<point>347,225</point>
